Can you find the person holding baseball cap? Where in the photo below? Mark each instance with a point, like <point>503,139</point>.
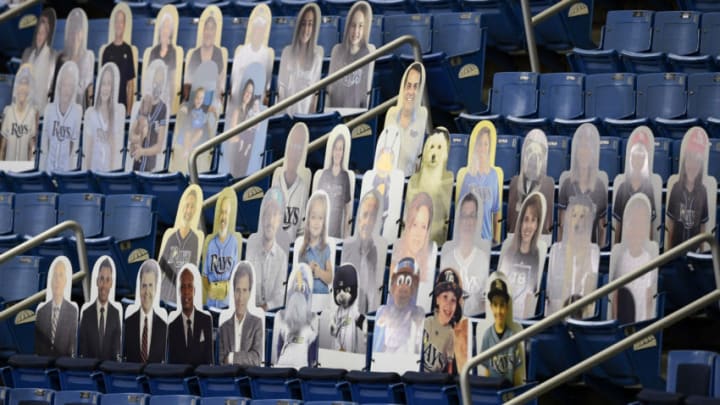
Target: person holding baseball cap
<point>508,363</point>
<point>445,335</point>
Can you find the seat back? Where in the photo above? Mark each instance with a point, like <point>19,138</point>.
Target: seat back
<point>129,216</point>
<point>329,34</point>
<point>187,33</point>
<point>143,29</point>
<point>376,32</point>
<point>281,33</point>
<point>514,93</point>
<point>558,156</point>
<point>676,32</point>
<point>456,33</point>
<point>35,212</point>
<point>610,157</point>
<point>21,278</point>
<point>174,399</point>
<point>417,25</point>
<point>507,155</point>
<point>59,37</point>
<point>85,209</point>
<point>458,151</point>
<point>709,32</point>
<point>714,161</point>
<point>561,95</point>
<point>233,33</point>
<point>703,94</point>
<point>661,95</point>
<point>31,395</point>
<point>690,372</point>
<point>98,29</point>
<point>610,95</point>
<point>6,212</point>
<point>76,397</point>
<point>6,85</point>
<point>125,399</point>
<point>629,30</point>
<point>663,158</point>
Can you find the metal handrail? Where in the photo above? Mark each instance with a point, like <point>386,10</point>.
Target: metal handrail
<point>10,13</point>
<point>588,299</point>
<point>36,241</point>
<point>282,105</point>
<point>530,21</point>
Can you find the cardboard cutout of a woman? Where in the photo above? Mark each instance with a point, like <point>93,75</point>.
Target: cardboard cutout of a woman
<point>104,124</point>
<point>267,250</point>
<point>352,90</point>
<point>337,181</point>
<point>295,334</point>
<point>585,178</point>
<point>146,322</point>
<point>100,329</point>
<point>20,121</point>
<point>255,49</point>
<point>522,258</point>
<point>165,49</point>
<point>482,177</point>
<point>410,117</point>
<point>120,51</point>
<point>41,56</point>
<point>690,198</point>
<point>533,177</point>
<point>221,251</point>
<point>574,261</point>
<point>60,141</point>
<point>366,250</point>
<point>56,322</point>
<point>149,122</point>
<point>634,302</point>
<point>75,50</point>
<point>468,253</point>
<point>388,181</point>
<point>434,178</point>
<point>638,178</point>
<point>301,61</point>
<point>208,50</point>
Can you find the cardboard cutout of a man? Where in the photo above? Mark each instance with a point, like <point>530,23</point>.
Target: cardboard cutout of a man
<point>146,322</point>
<point>56,324</point>
<point>100,326</point>
<point>190,334</point>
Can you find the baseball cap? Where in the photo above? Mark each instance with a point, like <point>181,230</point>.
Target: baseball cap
<point>448,280</point>
<point>498,287</point>
<point>406,265</point>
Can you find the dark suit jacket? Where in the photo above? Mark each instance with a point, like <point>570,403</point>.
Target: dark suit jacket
<point>89,339</point>
<point>199,351</point>
<point>251,346</point>
<point>65,332</point>
<point>157,341</point>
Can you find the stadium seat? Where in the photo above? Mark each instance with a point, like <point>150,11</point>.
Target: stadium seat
<point>78,374</point>
<point>387,7</point>
<point>16,34</point>
<point>562,31</point>
<point>714,160</point>
<point>457,33</point>
<point>700,5</point>
<point>505,31</point>
<point>187,33</point>
<point>125,379</point>
<point>686,279</point>
<point>338,7</point>
<point>224,401</point>
<point>610,157</point>
<point>329,34</point>
<point>439,388</point>
<point>703,100</point>
<point>117,182</point>
<point>81,181</point>
<point>233,33</point>
<point>98,29</point>
<point>29,182</point>
<point>143,29</point>
<point>20,279</point>
<point>662,97</point>
<point>375,387</point>
<point>458,152</point>
<point>558,156</point>
<point>7,207</point>
<point>37,396</point>
<point>507,155</point>
<point>387,75</point>
<point>170,379</point>
<point>323,384</point>
<point>272,383</point>
<point>512,94</point>
<point>6,86</point>
<point>167,189</point>
<point>30,371</point>
<point>418,25</point>
<point>663,159</point>
<point>125,399</point>
<point>59,36</point>
<point>222,381</point>
<point>174,399</point>
<point>281,34</point>
<point>76,397</point>
<point>609,96</point>
<point>550,352</point>
<point>675,32</point>
<point>438,6</point>
<point>34,213</point>
<point>493,390</point>
<point>629,30</point>
<point>275,401</point>
<point>689,372</point>
<point>706,59</point>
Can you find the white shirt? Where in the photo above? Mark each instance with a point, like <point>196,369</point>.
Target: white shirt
<point>149,328</point>
<point>105,308</point>
<point>185,319</point>
<point>238,336</point>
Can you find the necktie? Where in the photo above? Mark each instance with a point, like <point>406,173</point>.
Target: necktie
<point>144,345</point>
<point>189,333</point>
<point>55,316</point>
<point>102,327</point>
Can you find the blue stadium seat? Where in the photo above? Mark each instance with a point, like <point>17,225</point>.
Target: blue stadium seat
<point>233,33</point>
<point>129,228</point>
<point>81,181</point>
<point>438,6</point>
<point>16,34</point>
<point>170,379</point>
<point>187,33</point>
<point>323,384</point>
<point>457,33</point>
<point>275,401</point>
<point>458,152</point>
<point>21,278</point>
<point>78,374</point>
<point>663,159</point>
<point>703,100</point>
<point>609,96</point>
<point>610,156</point>
<point>699,5</point>
<point>125,379</point>
<point>117,182</point>
<point>7,207</point>
<point>338,7</point>
<point>387,75</point>
<point>714,160</point>
<point>375,387</point>
<point>35,212</point>
<point>59,37</point>
<point>689,372</point>
<point>29,182</point>
<point>271,383</point>
<point>561,32</point>
<point>439,388</point>
<point>249,205</point>
<point>417,25</point>
<point>174,399</point>
<point>707,58</point>
<point>125,399</point>
<point>662,97</point>
<point>143,29</point>
<point>507,155</point>
<point>76,397</point>
<point>494,390</point>
<point>167,189</point>
<point>505,30</point>
<point>30,371</point>
<point>629,30</point>
<point>37,396</point>
<point>222,381</point>
<point>98,29</point>
<point>387,7</point>
<point>281,34</point>
<point>675,32</point>
<point>512,94</point>
<point>6,86</point>
<point>329,34</point>
<point>376,32</point>
<point>558,156</point>
<point>225,401</point>
<point>465,122</point>
<point>550,352</point>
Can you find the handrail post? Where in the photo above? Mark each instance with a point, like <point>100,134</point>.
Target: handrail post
<point>530,36</point>
<point>552,10</point>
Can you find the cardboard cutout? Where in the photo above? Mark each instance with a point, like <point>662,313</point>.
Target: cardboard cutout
<point>41,56</point>
<point>295,332</point>
<point>104,125</point>
<point>165,49</point>
<point>293,178</point>
<point>208,50</point>
<point>190,330</point>
<point>573,264</point>
<point>61,129</point>
<point>148,123</point>
<point>435,180</point>
<point>635,301</point>
<point>415,242</point>
<point>691,193</point>
<point>145,321</point>
<point>533,177</point>
<point>242,320</point>
<point>255,49</point>
<point>366,250</point>
<point>316,250</point>
<point>500,325</point>
<point>343,328</point>
<point>181,244</point>
<point>221,251</point>
<point>638,178</point>
<point>352,91</point>
<point>483,178</point>
<point>267,250</point>
<point>447,333</point>
<point>122,53</point>
<point>522,258</point>
<point>75,50</point>
<point>337,181</point>
<point>397,337</point>
<point>410,117</point>
<point>243,153</point>
<point>196,120</point>
<point>468,254</point>
<point>101,318</point>
<point>20,122</point>
<point>388,181</point>
<point>585,178</point>
<point>56,323</point>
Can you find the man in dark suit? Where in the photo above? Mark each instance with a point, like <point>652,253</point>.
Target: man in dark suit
<point>241,337</point>
<point>57,320</point>
<point>145,340</point>
<point>100,328</point>
<point>190,333</point>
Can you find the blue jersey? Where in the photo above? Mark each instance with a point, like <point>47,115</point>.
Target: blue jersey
<point>506,362</point>
<point>220,260</point>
